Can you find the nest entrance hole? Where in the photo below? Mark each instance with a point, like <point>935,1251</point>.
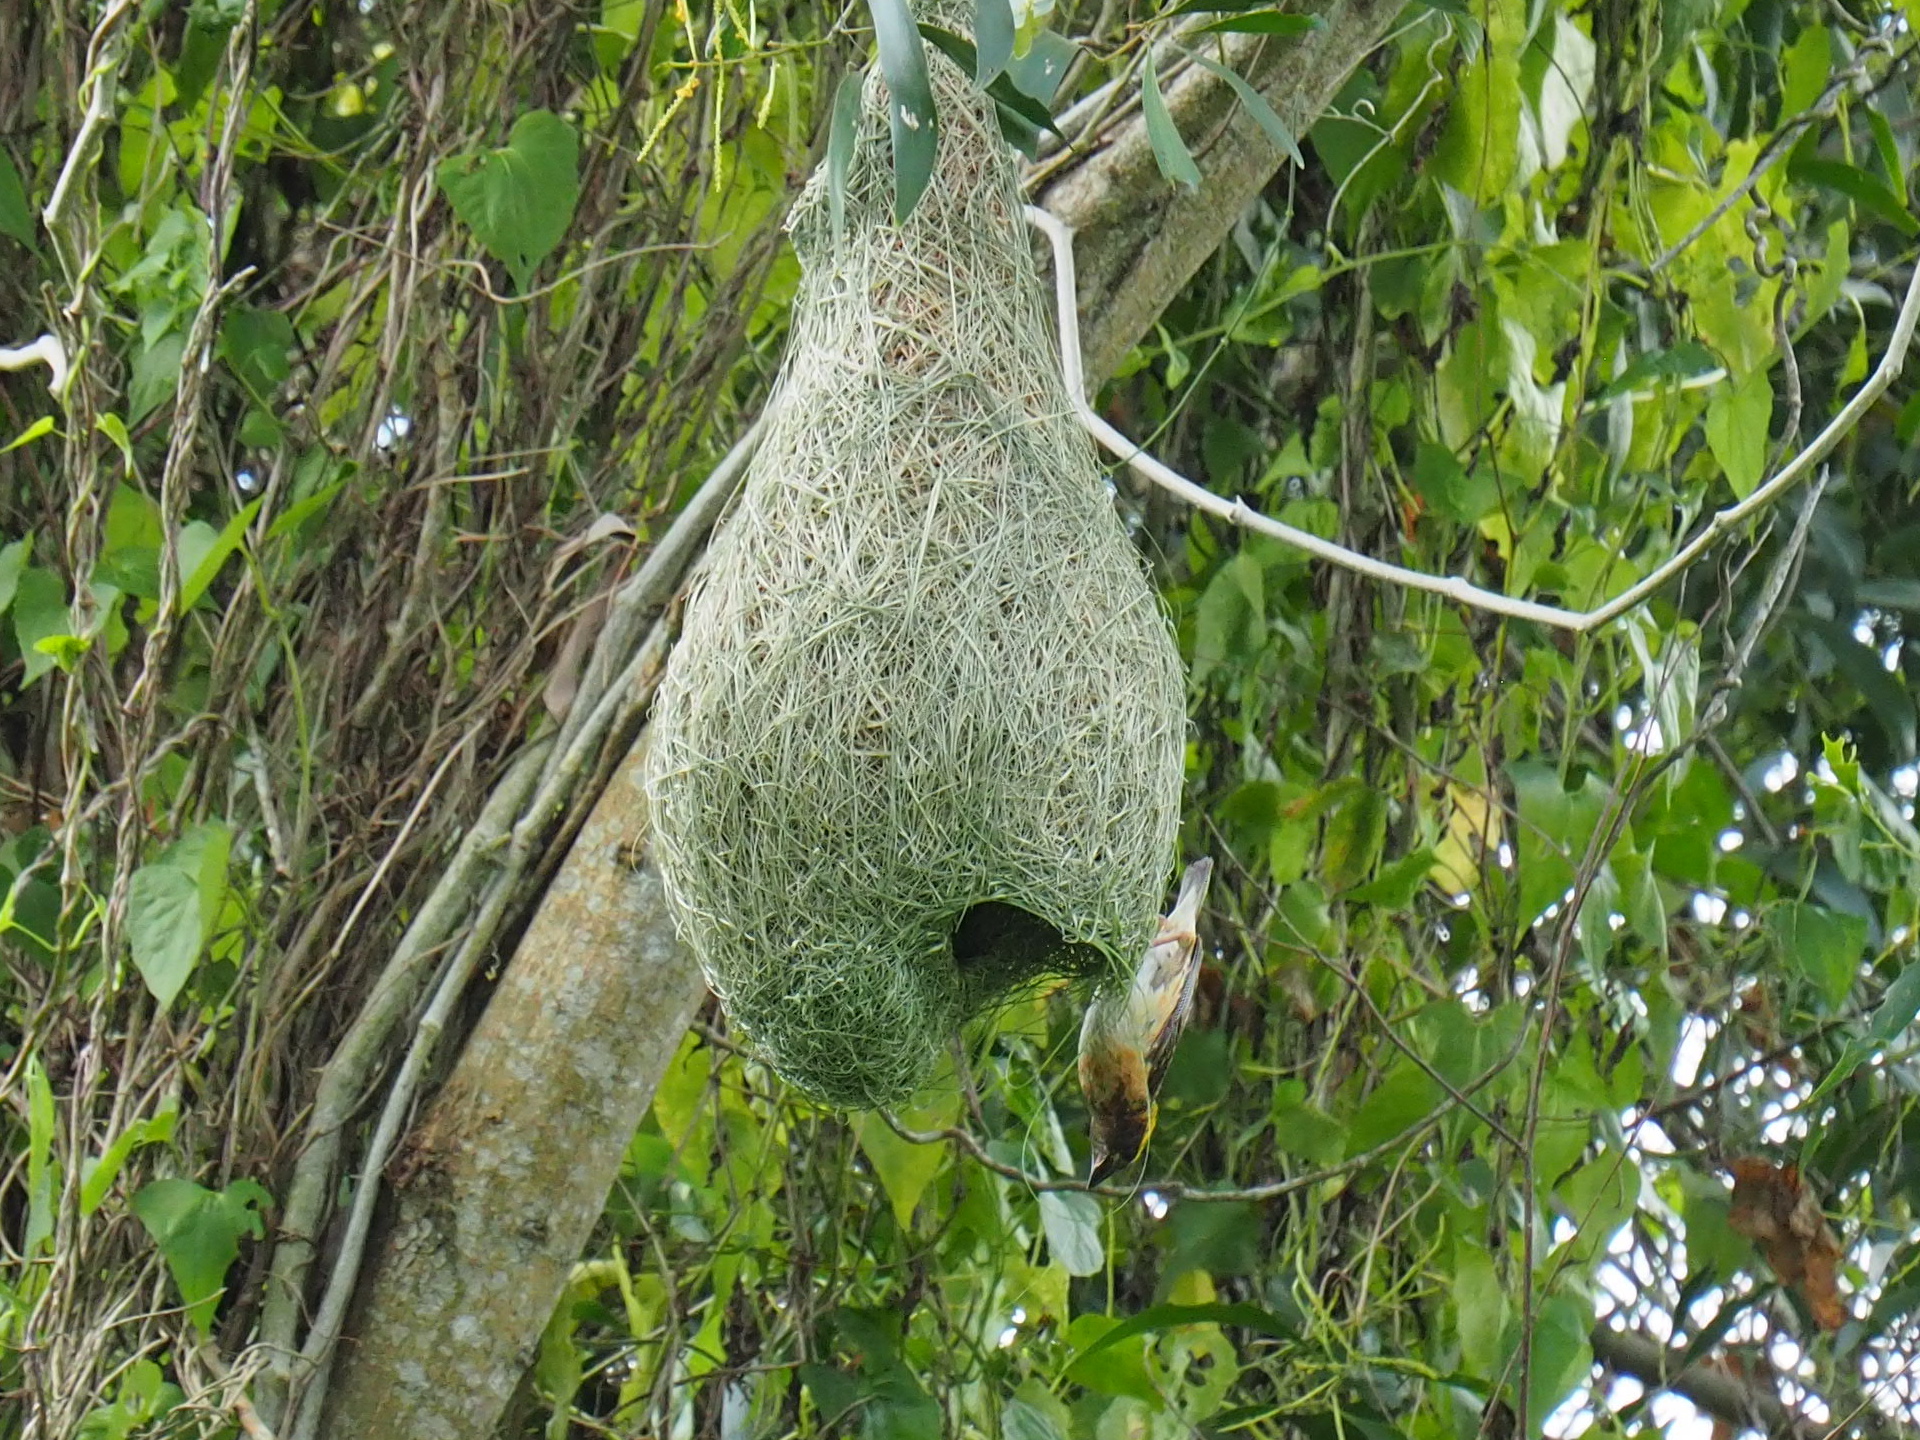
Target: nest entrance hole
<point>996,945</point>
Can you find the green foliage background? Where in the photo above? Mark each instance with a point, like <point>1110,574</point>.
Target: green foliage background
<point>1518,941</point>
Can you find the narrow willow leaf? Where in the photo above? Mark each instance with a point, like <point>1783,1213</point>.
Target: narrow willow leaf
<point>1222,7</point>
<point>993,37</point>
<point>903,61</point>
<point>1011,99</point>
<point>1265,22</point>
<point>840,137</point>
<point>1169,150</point>
<point>1038,73</point>
<point>1264,115</point>
<point>1858,186</point>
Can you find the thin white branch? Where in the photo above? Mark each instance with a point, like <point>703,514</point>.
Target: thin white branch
<point>105,50</point>
<point>47,351</point>
<point>1452,587</point>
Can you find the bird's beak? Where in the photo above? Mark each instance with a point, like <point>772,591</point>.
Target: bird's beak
<point>1105,1163</point>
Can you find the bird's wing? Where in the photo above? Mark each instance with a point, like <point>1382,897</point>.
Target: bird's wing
<point>1170,970</point>
<point>1166,1036</point>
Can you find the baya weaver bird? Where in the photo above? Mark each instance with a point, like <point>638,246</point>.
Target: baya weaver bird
<point>1129,1033</point>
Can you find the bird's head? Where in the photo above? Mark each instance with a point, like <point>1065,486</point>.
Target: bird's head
<point>1120,1133</point>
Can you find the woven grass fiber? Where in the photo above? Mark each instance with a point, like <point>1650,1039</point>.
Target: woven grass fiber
<point>921,741</point>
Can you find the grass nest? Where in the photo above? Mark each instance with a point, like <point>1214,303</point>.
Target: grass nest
<point>921,742</point>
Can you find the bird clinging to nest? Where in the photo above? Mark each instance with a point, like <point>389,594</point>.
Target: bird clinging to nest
<point>1130,1032</point>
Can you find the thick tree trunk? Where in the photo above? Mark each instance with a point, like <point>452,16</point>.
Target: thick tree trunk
<point>511,1166</point>
<point>512,1162</point>
<point>1141,238</point>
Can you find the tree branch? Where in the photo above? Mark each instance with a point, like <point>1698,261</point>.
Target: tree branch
<point>1720,1393</point>
<point>1141,237</point>
<point>1454,587</point>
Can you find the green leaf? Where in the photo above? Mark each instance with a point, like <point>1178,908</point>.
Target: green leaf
<point>16,215</point>
<point>1480,1307</point>
<point>202,852</point>
<point>1597,909</point>
<point>1226,7</point>
<point>1407,1096</point>
<point>298,513</point>
<point>518,200</point>
<point>1114,1369</point>
<point>257,346</point>
<point>1038,73</point>
<point>1454,492</point>
<point>1072,1223</point>
<point>1640,898</point>
<point>1561,1357</point>
<point>260,431</point>
<point>1682,362</point>
<point>1004,92</point>
<point>843,131</point>
<point>1356,829</point>
<point>1890,1021</point>
<point>198,1232</point>
<point>1858,186</point>
<point>1395,887</point>
<point>993,37</point>
<point>1266,22</point>
<point>163,924</point>
<point>1479,144</point>
<point>99,1172</point>
<point>1894,592</point>
<point>1231,619</point>
<point>1599,1197</point>
<point>1889,148</point>
<point>13,560</point>
<point>66,651</point>
<point>40,612</point>
<point>1166,1317</point>
<point>156,373</point>
<point>1169,150</point>
<point>1897,1008</point>
<point>42,426</point>
<point>1737,419</point>
<point>1826,947</point>
<point>172,905</point>
<point>1256,104</point>
<point>1555,825</point>
<point>209,560</point>
<point>1035,1413</point>
<point>1803,72</point>
<point>1886,696</point>
<point>115,429</point>
<point>40,1168</point>
<point>904,1168</point>
<point>834,1392</point>
<point>903,60</point>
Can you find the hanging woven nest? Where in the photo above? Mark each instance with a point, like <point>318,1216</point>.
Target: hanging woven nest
<point>921,741</point>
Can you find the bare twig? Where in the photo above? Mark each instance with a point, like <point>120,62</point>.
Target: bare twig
<point>1453,587</point>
